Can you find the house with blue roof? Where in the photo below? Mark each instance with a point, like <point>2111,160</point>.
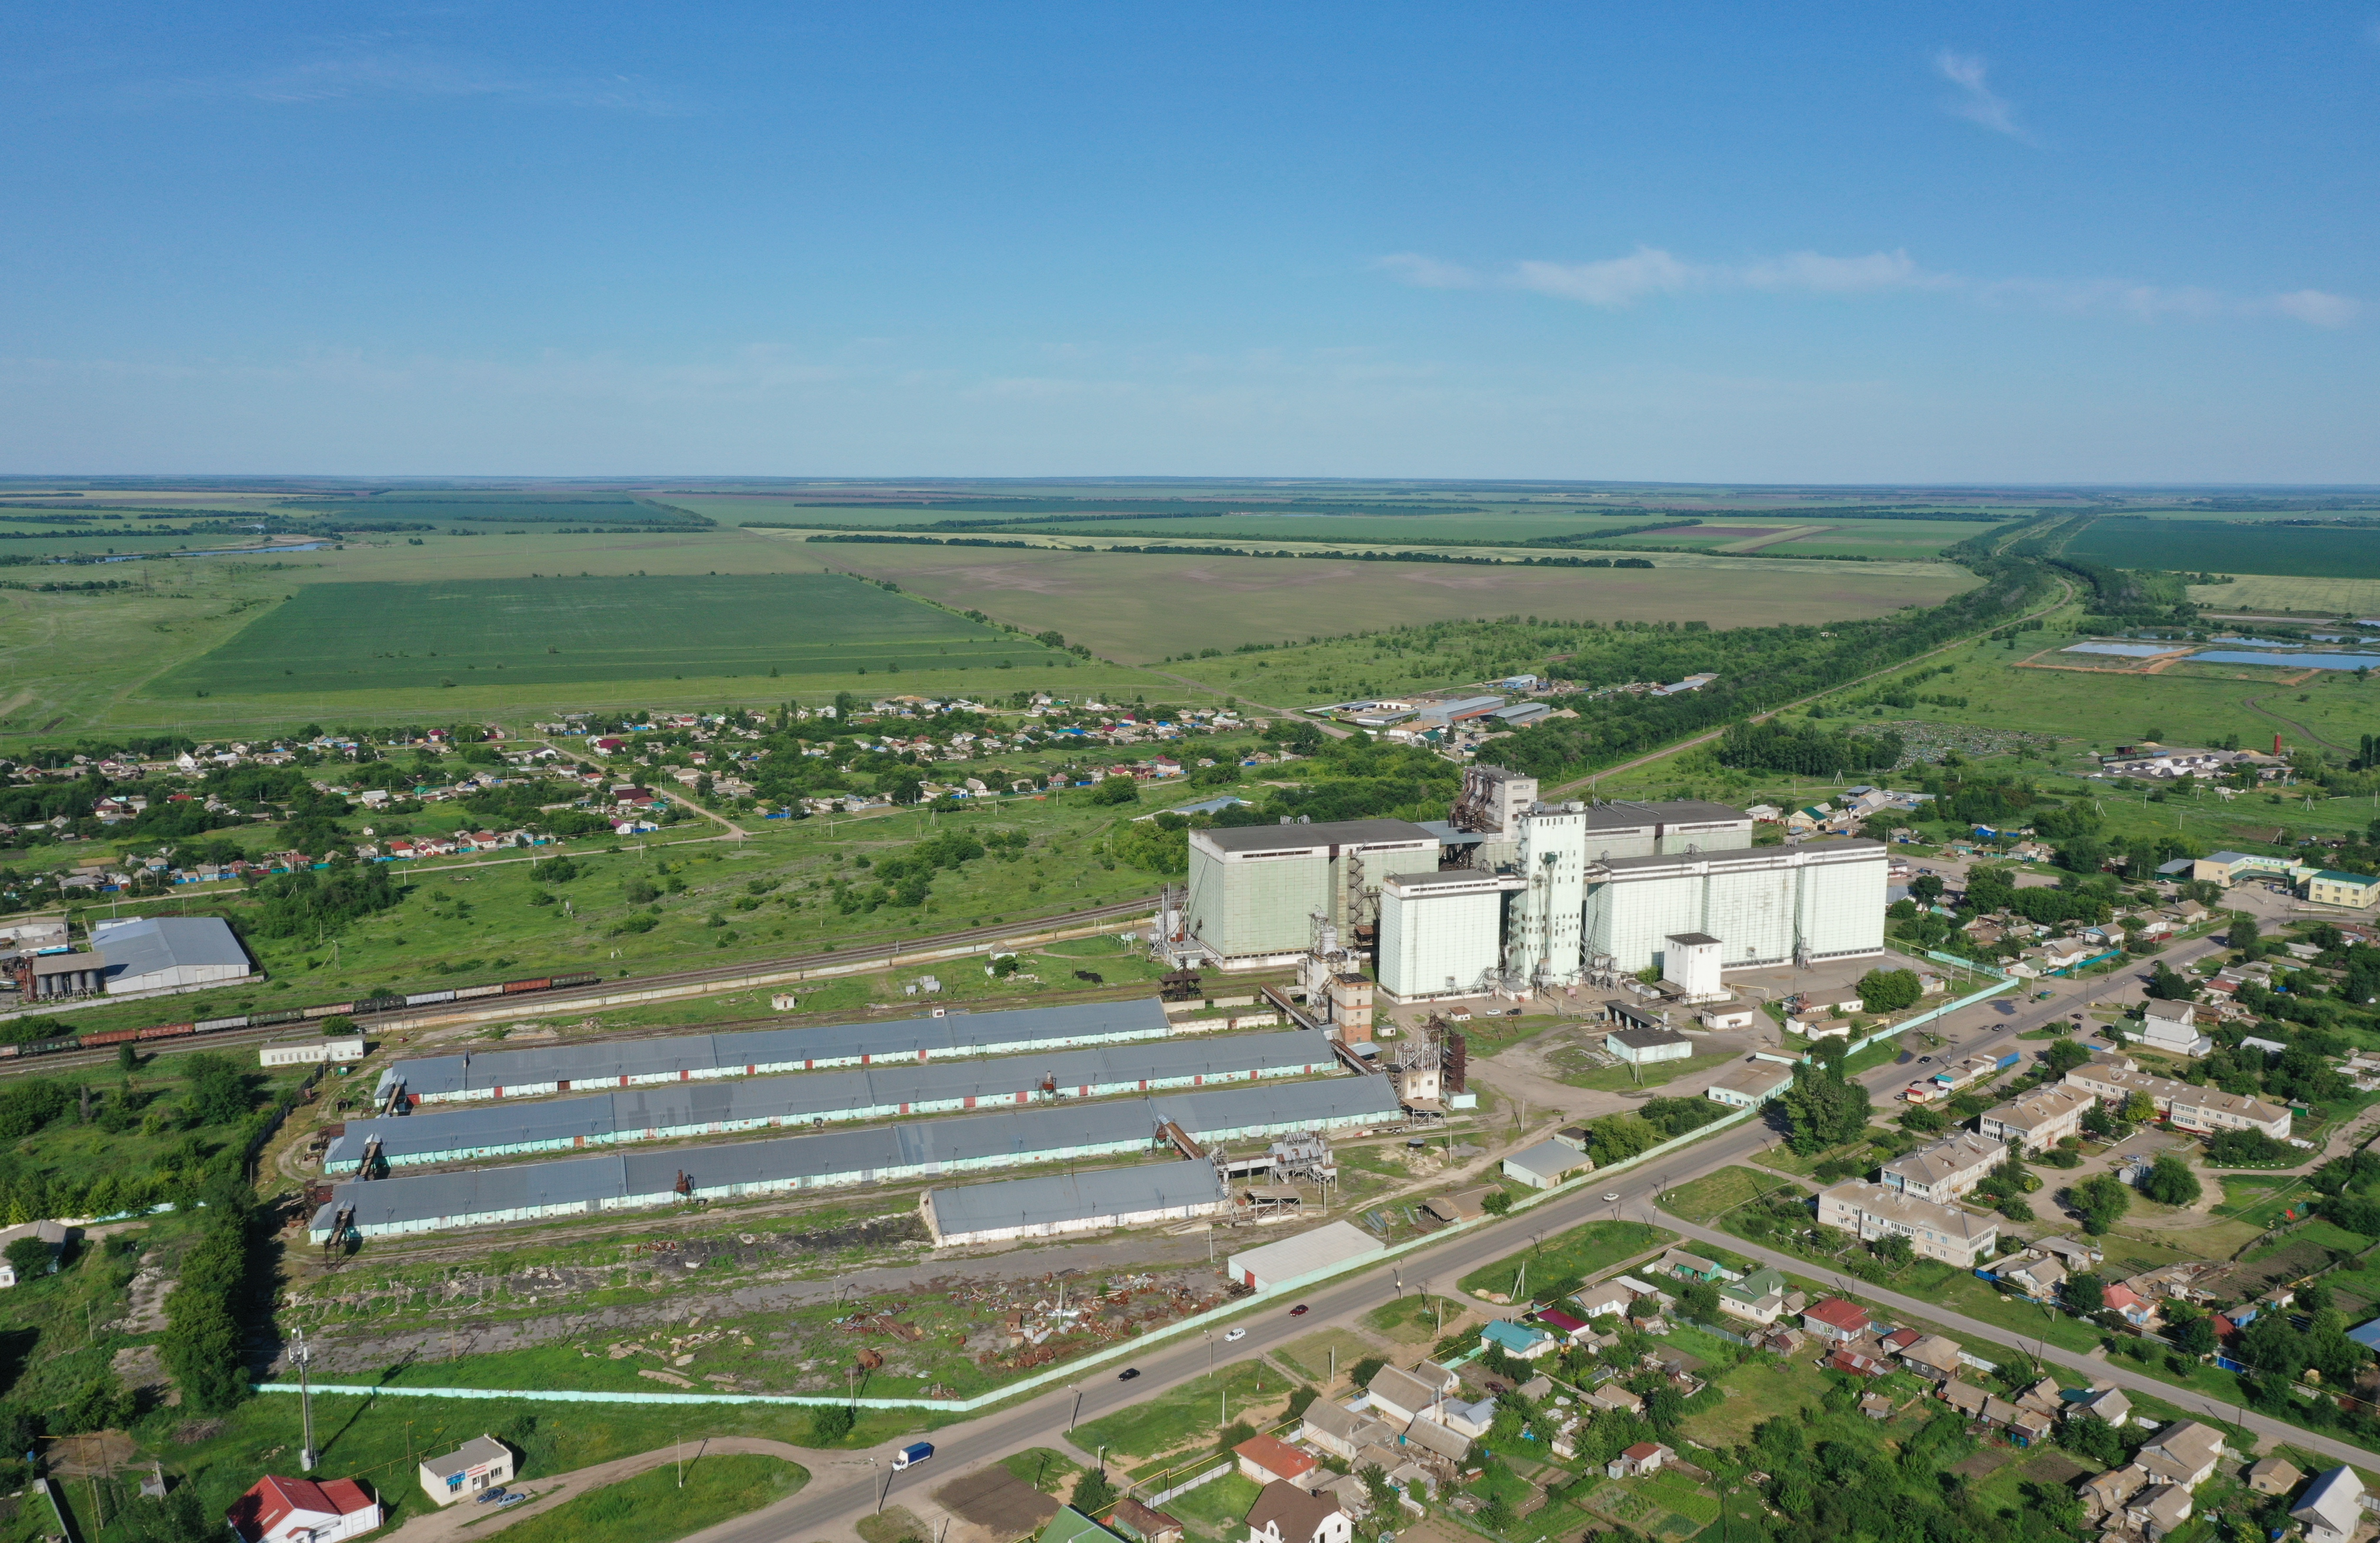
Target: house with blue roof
<point>1517,1340</point>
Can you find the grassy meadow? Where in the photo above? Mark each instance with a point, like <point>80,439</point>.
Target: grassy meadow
<point>1219,603</point>
<point>2327,597</point>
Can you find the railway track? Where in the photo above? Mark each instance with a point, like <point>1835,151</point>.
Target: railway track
<point>691,982</point>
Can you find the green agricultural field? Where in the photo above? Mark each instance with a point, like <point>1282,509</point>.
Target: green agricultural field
<point>421,637</point>
<point>2264,593</point>
<point>2200,546</point>
<point>1219,603</point>
<point>75,664</point>
<point>496,508</point>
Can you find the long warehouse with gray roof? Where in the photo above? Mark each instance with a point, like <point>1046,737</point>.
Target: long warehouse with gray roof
<point>758,1052</point>
<point>620,1181</point>
<point>1047,1205</point>
<point>675,1110</point>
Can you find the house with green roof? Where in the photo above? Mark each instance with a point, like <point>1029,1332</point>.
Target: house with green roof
<point>1072,1527</point>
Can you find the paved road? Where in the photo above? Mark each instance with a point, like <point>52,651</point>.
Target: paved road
<point>832,1504</point>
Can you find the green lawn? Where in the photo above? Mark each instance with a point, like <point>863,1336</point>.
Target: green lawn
<point>1180,1415</point>
<point>1216,1508</point>
<point>1715,1193</point>
<point>1415,1320</point>
<point>653,1507</point>
<point>1582,1251</point>
<point>1619,1079</point>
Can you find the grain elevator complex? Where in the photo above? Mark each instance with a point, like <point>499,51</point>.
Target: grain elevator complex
<point>1515,895</point>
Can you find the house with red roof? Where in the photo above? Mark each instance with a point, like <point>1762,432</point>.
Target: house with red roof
<point>1269,1459</point>
<point>2122,1299</point>
<point>1563,1323</point>
<point>300,1510</point>
<point>1835,1318</point>
<point>1644,1457</point>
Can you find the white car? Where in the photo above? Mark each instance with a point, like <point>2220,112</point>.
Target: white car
<point>1610,1195</point>
<point>1236,1334</point>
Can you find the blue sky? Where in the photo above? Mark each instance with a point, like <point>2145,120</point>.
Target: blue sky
<point>1676,242</point>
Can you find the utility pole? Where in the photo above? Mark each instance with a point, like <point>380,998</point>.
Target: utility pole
<point>301,1354</point>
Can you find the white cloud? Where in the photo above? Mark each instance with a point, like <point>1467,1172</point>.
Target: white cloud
<point>1615,281</point>
<point>1428,273</point>
<point>2316,308</point>
<point>1976,102</point>
<point>1819,274</point>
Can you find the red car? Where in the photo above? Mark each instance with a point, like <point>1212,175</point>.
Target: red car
<point>1298,1311</point>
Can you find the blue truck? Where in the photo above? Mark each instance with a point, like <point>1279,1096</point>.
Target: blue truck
<point>913,1455</point>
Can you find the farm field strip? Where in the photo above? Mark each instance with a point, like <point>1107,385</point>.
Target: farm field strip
<point>547,631</point>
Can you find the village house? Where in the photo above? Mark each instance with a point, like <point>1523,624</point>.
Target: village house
<point>1644,1457</point>
<point>1759,1296</point>
<point>2332,1507</point>
<point>2184,1452</point>
<point>1269,1459</point>
<point>1835,1319</point>
<point>1285,1513</point>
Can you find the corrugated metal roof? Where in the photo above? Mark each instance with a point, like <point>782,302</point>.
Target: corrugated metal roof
<point>452,1131</point>
<point>638,1177</point>
<point>159,943</point>
<point>701,1054</point>
<point>1060,1197</point>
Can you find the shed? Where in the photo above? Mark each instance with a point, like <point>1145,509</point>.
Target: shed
<point>1547,1164</point>
<point>1303,1258</point>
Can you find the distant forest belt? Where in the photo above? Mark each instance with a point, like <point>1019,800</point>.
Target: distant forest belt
<point>531,632</point>
<point>2210,546</point>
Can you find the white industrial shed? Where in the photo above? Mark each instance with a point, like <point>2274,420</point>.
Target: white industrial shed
<point>160,954</point>
<point>1293,1259</point>
<point>1052,1204</point>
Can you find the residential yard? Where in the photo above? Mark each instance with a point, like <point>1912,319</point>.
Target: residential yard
<point>1417,1319</point>
<point>1572,1257</point>
<point>1311,1357</point>
<point>1216,1510</point>
<point>1192,1412</point>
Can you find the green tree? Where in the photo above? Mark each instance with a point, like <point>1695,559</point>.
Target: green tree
<point>1894,1249</point>
<point>2101,1200</point>
<point>2139,1108</point>
<point>830,1423</point>
<point>2169,1181</point>
<point>1496,1202</point>
<point>2242,934</point>
<point>1889,991</point>
<point>1115,790</point>
<point>31,1258</point>
<point>1617,1137</point>
<point>1094,1492</point>
<point>2084,1294</point>
<point>2063,1056</point>
<point>1822,1110</point>
<point>2168,984</point>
